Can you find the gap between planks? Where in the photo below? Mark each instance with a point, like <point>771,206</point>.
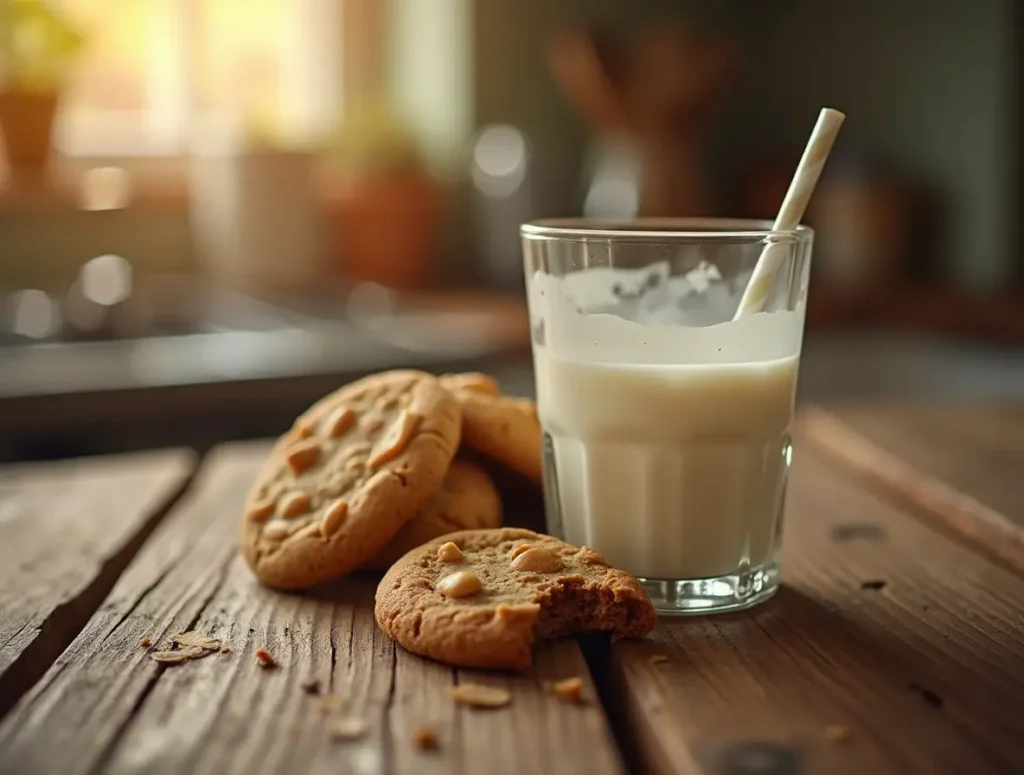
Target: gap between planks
<point>963,513</point>
<point>69,529</point>
<point>105,707</point>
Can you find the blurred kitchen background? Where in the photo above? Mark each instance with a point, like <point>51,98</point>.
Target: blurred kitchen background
<point>214,211</point>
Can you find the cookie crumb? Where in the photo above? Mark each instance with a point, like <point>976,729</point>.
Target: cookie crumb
<point>224,649</point>
<point>480,696</point>
<point>347,728</point>
<point>197,640</point>
<point>569,690</point>
<point>310,686</point>
<point>837,733</point>
<point>657,659</point>
<point>331,703</point>
<point>145,643</point>
<point>177,656</point>
<point>264,660</point>
<point>425,739</point>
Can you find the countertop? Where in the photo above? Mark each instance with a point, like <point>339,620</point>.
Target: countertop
<point>894,645</point>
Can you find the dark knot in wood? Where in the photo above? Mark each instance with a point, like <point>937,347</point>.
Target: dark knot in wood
<point>754,757</point>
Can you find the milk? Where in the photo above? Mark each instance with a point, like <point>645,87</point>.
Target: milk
<point>671,472</point>
<point>667,445</point>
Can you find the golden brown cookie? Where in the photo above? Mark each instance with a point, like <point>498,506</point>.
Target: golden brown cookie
<point>481,598</point>
<point>353,469</point>
<point>503,428</point>
<point>467,500</point>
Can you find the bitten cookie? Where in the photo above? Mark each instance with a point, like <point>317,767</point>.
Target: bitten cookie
<point>501,427</point>
<point>353,469</point>
<point>481,598</point>
<point>467,500</point>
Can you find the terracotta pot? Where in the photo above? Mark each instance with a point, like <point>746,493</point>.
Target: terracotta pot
<point>26,125</point>
<point>388,227</point>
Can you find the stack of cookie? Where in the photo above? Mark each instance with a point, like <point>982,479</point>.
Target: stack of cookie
<point>370,472</point>
<point>380,474</point>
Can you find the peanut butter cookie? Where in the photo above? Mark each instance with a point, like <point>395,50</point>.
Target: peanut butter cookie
<point>481,598</point>
<point>467,500</point>
<point>503,428</point>
<point>353,469</point>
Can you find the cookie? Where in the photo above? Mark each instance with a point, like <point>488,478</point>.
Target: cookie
<point>467,500</point>
<point>503,428</point>
<point>353,469</point>
<point>472,380</point>
<point>481,598</point>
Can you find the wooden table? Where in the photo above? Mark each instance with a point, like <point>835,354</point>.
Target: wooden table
<point>895,646</point>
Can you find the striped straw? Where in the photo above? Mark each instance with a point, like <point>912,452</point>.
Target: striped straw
<point>793,206</point>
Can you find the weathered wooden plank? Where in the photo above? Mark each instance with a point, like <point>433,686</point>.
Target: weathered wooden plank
<point>67,531</point>
<point>898,635</point>
<point>960,465</point>
<point>105,707</point>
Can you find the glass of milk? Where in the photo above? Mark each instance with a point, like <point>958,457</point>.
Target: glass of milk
<point>666,422</point>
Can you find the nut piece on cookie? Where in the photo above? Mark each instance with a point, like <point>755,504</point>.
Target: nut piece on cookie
<point>295,503</point>
<point>334,519</point>
<point>496,625</point>
<point>261,510</point>
<point>303,430</point>
<point>519,549</point>
<point>461,584</point>
<point>396,439</point>
<point>341,420</point>
<point>537,559</point>
<point>449,552</point>
<point>303,455</point>
<point>277,531</point>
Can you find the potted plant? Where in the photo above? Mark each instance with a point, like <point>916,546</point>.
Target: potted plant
<point>387,209</point>
<point>36,49</point>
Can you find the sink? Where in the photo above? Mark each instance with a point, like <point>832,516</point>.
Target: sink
<point>161,307</point>
<point>176,334</point>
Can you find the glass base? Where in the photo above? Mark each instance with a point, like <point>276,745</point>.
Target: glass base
<point>682,597</point>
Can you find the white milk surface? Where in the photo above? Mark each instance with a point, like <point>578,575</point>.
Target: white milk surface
<point>669,442</point>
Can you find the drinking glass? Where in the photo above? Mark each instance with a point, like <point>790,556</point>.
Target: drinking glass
<point>666,423</point>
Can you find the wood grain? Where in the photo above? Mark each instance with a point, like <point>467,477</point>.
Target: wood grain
<point>959,465</point>
<point>906,639</point>
<point>104,706</point>
<point>67,531</point>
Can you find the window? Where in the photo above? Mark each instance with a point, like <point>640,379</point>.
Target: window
<point>155,74</point>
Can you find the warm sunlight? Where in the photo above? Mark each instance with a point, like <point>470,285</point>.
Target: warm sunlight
<point>215,56</point>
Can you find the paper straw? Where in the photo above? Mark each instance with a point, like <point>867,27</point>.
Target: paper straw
<point>793,206</point>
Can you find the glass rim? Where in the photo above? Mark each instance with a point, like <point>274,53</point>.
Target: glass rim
<point>581,229</point>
